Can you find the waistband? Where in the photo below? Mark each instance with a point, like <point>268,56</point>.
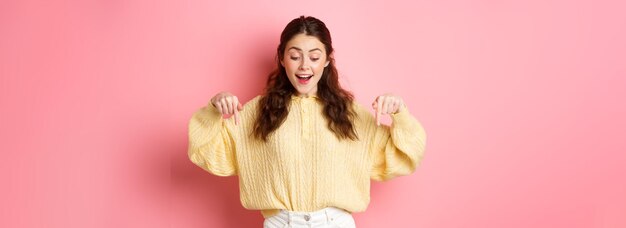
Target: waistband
<point>321,216</point>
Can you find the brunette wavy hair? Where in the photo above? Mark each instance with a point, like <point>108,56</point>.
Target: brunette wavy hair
<point>274,104</point>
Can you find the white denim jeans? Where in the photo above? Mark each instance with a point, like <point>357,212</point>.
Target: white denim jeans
<point>330,217</point>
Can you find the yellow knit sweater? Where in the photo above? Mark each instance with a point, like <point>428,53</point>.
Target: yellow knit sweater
<point>303,166</point>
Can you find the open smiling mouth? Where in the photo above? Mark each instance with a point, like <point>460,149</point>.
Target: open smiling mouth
<point>304,79</point>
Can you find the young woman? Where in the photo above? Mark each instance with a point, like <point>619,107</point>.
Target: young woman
<point>304,150</point>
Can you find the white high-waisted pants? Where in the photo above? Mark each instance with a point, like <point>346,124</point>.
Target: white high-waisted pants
<point>330,217</point>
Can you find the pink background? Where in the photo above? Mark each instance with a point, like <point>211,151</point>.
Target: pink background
<point>523,103</point>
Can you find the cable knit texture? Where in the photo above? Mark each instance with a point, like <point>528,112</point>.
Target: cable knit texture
<point>303,166</point>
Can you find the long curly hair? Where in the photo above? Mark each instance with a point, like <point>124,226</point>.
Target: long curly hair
<point>274,104</point>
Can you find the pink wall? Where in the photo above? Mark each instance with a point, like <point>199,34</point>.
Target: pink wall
<point>523,102</point>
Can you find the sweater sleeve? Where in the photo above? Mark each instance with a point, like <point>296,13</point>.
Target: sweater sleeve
<point>211,144</point>
<point>396,150</point>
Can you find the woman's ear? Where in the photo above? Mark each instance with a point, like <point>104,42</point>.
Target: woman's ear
<point>331,56</point>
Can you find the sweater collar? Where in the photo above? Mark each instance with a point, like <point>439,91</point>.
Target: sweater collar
<point>311,97</point>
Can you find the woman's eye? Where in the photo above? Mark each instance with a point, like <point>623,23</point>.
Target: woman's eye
<point>295,57</point>
<point>315,59</point>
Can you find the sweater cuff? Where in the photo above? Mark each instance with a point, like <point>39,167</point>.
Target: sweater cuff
<point>212,108</point>
<point>211,115</point>
<point>402,117</point>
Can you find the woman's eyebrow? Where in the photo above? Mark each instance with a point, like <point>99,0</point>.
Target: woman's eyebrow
<point>314,49</point>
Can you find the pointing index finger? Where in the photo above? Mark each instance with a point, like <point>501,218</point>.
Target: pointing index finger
<point>236,106</point>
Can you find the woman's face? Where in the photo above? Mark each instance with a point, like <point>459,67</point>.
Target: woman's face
<point>304,61</point>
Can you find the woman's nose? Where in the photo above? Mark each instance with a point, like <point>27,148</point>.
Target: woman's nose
<point>304,65</point>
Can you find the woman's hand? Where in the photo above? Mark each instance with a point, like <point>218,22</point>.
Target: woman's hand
<point>227,103</point>
<point>387,104</point>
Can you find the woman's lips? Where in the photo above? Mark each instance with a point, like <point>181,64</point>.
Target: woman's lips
<point>304,78</point>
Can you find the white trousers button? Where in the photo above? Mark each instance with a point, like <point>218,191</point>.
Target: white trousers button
<point>307,217</point>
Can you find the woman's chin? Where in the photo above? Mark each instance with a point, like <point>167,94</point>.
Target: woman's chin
<point>304,90</point>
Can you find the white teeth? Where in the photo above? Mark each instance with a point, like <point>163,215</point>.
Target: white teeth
<point>304,77</point>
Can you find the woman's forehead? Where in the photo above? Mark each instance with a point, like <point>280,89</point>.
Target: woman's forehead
<point>305,43</point>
